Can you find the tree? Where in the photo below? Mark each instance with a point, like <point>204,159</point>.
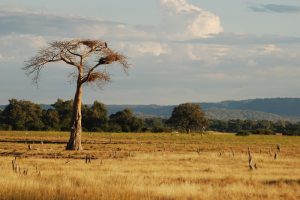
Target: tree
<point>2,124</point>
<point>51,119</point>
<point>187,117</point>
<point>64,110</point>
<point>79,54</point>
<point>23,115</point>
<point>155,125</point>
<point>125,121</point>
<point>235,125</point>
<point>96,117</point>
<point>218,125</point>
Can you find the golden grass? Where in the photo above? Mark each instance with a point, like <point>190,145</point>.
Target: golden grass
<point>150,166</point>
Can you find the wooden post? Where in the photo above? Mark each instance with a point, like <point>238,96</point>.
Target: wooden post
<point>232,152</point>
<point>86,159</point>
<point>250,162</point>
<point>275,155</point>
<point>278,147</point>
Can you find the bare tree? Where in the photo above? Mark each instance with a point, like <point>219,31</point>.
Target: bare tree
<point>89,59</point>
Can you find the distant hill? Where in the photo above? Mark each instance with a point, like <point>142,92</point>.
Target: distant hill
<point>224,114</point>
<point>280,106</point>
<point>272,109</point>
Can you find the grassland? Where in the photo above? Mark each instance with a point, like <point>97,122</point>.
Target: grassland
<point>149,166</point>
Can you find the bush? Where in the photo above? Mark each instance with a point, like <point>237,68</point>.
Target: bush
<point>243,133</point>
<point>263,132</point>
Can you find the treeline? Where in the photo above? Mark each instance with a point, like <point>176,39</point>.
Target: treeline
<point>247,127</point>
<point>25,115</point>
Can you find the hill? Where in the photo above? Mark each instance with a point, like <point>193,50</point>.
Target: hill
<point>224,114</point>
<point>280,106</point>
<point>272,109</point>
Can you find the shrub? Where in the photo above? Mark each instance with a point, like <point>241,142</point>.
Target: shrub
<point>263,132</point>
<point>243,133</point>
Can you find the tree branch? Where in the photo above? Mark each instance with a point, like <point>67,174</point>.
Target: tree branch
<point>68,61</point>
<point>86,78</point>
<point>75,54</point>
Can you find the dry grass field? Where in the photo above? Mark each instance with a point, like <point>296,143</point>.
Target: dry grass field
<point>149,166</point>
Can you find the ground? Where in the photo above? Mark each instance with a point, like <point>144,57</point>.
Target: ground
<point>149,166</point>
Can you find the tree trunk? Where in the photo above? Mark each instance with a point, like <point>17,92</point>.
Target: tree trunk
<point>75,135</point>
<point>188,130</point>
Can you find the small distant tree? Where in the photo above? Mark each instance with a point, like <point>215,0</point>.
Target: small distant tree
<point>218,125</point>
<point>80,54</point>
<point>125,121</point>
<point>187,117</point>
<point>155,125</point>
<point>235,125</point>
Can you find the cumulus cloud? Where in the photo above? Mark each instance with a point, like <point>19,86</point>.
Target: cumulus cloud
<point>146,48</point>
<point>187,21</point>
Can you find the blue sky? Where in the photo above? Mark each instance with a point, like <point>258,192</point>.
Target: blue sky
<point>180,50</point>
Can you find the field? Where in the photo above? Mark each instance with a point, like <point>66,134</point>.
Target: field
<point>149,166</point>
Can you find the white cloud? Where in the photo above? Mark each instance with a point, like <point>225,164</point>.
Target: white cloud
<point>19,45</point>
<point>269,49</point>
<point>186,21</point>
<point>180,6</point>
<point>207,53</point>
<point>137,49</point>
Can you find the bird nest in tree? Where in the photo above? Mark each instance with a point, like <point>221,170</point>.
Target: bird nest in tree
<point>98,76</point>
<point>114,57</point>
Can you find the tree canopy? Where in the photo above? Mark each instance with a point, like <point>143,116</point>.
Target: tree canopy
<point>187,117</point>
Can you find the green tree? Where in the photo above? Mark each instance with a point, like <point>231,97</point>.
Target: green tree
<point>3,126</point>
<point>188,117</point>
<point>23,115</point>
<point>155,125</point>
<point>218,125</point>
<point>125,121</point>
<point>264,124</point>
<point>51,120</point>
<point>235,125</point>
<point>95,118</point>
<point>64,110</point>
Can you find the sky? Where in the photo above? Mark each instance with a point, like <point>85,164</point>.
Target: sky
<point>179,50</point>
